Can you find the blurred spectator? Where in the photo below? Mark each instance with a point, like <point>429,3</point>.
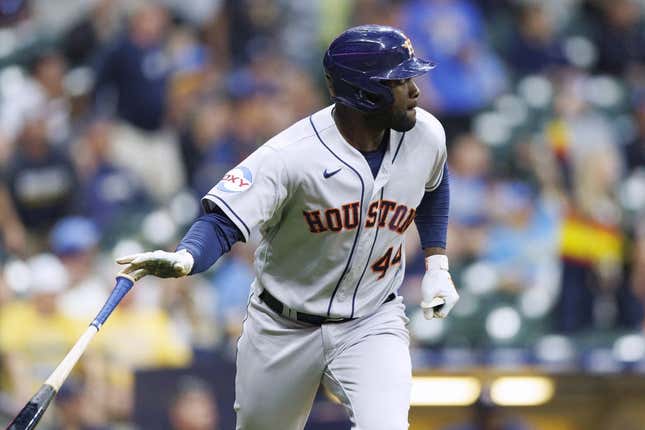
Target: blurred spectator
<point>97,27</point>
<point>30,352</point>
<point>13,12</point>
<point>301,33</point>
<point>637,275</point>
<point>75,409</point>
<point>137,337</point>
<point>443,28</point>
<point>18,98</point>
<point>48,71</point>
<point>619,35</point>
<point>208,147</point>
<point>233,280</point>
<point>41,179</point>
<point>185,50</point>
<point>194,406</point>
<point>74,240</point>
<point>39,88</point>
<point>6,292</point>
<point>468,75</point>
<point>535,47</point>
<point>51,19</point>
<point>251,27</point>
<point>297,91</point>
<point>198,13</point>
<point>635,150</point>
<point>136,70</point>
<point>592,248</point>
<point>576,127</point>
<point>383,12</point>
<point>189,90</point>
<point>191,304</point>
<point>254,124</point>
<point>591,241</point>
<point>470,164</point>
<point>12,233</point>
<point>109,194</point>
<point>522,243</point>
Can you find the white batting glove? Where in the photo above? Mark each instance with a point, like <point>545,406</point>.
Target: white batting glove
<point>438,291</point>
<point>158,263</point>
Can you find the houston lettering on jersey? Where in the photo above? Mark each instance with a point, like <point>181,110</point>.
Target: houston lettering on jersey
<point>380,213</point>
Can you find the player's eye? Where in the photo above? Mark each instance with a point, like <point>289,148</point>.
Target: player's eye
<point>395,82</point>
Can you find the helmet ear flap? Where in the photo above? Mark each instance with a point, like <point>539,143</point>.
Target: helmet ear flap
<point>375,99</point>
<point>354,87</point>
<point>330,84</point>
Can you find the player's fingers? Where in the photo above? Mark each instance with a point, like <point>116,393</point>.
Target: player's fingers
<point>128,258</point>
<point>145,260</point>
<point>138,274</point>
<point>136,265</point>
<point>180,269</point>
<point>436,303</point>
<point>451,301</point>
<point>129,269</point>
<point>428,309</point>
<point>428,313</point>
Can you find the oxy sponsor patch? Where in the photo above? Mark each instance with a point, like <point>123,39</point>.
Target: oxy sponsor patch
<point>237,180</point>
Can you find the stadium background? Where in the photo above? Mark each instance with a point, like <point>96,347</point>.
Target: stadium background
<point>115,116</point>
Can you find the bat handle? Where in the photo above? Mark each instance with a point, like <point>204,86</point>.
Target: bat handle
<point>123,285</point>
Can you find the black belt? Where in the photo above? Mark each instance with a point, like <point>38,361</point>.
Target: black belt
<point>279,307</point>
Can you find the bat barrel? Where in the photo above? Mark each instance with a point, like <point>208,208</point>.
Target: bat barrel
<point>33,411</point>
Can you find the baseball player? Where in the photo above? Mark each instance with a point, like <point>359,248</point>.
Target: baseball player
<point>332,196</point>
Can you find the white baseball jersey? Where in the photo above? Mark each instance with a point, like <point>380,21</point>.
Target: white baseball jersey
<point>332,234</point>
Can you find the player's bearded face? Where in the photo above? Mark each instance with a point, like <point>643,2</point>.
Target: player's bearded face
<point>402,114</point>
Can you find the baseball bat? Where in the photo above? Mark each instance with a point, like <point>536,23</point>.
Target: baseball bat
<point>30,415</point>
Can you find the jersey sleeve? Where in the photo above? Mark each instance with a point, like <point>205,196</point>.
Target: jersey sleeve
<point>251,193</point>
<point>438,135</point>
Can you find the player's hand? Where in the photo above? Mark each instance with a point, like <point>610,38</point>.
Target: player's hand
<point>437,284</point>
<point>159,263</point>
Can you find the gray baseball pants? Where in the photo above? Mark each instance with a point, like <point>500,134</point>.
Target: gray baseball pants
<point>364,362</point>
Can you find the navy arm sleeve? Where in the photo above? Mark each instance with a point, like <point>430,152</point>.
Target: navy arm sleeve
<point>432,214</point>
<point>211,236</point>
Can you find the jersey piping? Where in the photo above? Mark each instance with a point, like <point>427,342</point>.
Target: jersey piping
<point>248,232</point>
<point>398,147</point>
<point>360,218</point>
<point>369,257</point>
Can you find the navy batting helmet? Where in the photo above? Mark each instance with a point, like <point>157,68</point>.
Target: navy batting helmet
<point>362,57</point>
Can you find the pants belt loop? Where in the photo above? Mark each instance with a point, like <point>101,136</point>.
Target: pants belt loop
<point>289,313</point>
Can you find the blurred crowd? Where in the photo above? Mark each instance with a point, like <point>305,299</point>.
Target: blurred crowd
<point>117,116</point>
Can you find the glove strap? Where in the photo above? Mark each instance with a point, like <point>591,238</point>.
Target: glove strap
<point>436,262</point>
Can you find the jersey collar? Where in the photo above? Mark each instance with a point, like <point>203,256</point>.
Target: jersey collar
<point>324,122</point>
